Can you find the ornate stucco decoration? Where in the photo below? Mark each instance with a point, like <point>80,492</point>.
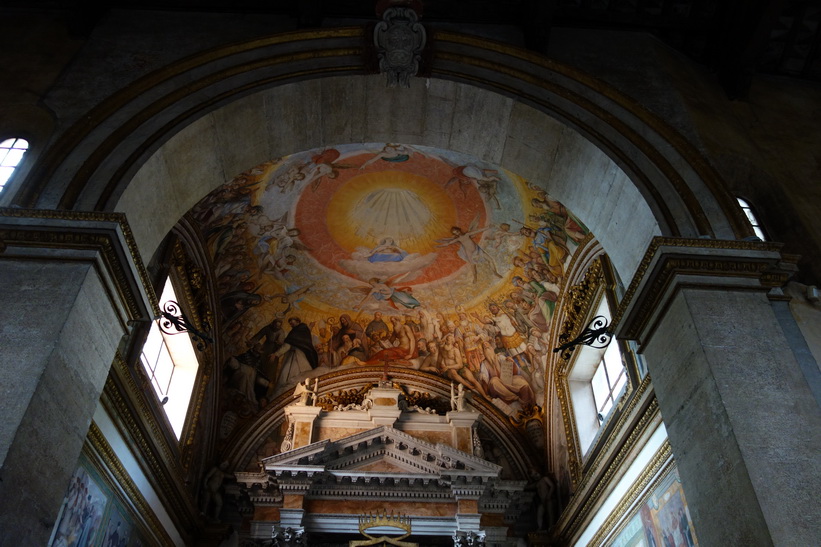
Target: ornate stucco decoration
<point>399,40</point>
<point>579,302</point>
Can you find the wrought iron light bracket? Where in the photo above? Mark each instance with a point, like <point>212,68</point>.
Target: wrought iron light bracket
<point>596,335</point>
<point>174,321</point>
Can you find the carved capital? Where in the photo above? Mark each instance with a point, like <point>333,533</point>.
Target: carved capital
<point>103,239</point>
<point>672,264</point>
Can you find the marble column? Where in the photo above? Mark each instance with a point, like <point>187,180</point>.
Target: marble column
<point>72,288</point>
<point>742,421</point>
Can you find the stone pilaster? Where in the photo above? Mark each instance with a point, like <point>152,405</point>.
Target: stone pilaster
<point>744,427</point>
<point>302,419</point>
<point>462,429</point>
<point>385,408</point>
<point>73,286</point>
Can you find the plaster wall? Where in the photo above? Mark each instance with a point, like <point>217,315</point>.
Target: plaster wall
<point>324,112</point>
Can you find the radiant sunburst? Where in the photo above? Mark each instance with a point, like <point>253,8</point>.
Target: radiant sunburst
<point>389,211</point>
<point>406,207</point>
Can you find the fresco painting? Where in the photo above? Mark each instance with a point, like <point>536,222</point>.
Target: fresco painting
<point>661,521</point>
<point>117,531</point>
<point>92,516</point>
<point>374,254</point>
<point>82,512</point>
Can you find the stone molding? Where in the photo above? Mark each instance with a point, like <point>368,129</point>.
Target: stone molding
<point>240,446</point>
<point>671,264</point>
<point>103,239</point>
<point>421,472</point>
<point>661,464</point>
<point>600,474</point>
<point>128,407</point>
<point>112,465</point>
<point>608,117</point>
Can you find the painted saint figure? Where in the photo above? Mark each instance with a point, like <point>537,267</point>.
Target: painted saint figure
<point>469,250</point>
<point>297,353</point>
<point>387,251</point>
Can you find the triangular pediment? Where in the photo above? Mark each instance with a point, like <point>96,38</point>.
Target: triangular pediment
<point>382,450</point>
<point>382,465</point>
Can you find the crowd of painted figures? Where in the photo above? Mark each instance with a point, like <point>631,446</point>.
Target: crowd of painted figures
<point>497,350</point>
<point>499,355</point>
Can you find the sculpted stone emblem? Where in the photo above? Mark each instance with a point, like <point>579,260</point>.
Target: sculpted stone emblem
<point>399,40</point>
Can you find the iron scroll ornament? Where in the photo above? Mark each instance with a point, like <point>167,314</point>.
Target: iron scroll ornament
<point>595,334</point>
<point>173,321</point>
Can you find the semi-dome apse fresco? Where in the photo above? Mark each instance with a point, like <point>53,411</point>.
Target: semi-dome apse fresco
<point>390,255</point>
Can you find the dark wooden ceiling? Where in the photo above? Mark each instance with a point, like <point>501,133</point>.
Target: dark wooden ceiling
<point>736,38</point>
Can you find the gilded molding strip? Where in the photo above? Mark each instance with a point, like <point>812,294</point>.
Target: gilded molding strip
<point>167,473</point>
<point>593,497</point>
<point>691,155</point>
<point>44,236</point>
<point>621,422</point>
<point>656,471</point>
<point>112,464</point>
<point>47,165</point>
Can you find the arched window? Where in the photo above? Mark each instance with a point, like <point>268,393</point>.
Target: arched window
<point>11,153</point>
<point>748,212</point>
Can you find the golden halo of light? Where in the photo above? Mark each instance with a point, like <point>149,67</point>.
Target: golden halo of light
<point>350,230</point>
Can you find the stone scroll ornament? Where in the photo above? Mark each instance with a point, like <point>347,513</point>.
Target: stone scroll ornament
<point>399,40</point>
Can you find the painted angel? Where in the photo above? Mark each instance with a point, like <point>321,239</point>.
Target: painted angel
<point>384,291</point>
<point>486,180</point>
<point>324,166</point>
<point>278,242</point>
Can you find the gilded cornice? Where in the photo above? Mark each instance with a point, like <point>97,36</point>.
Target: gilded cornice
<point>81,233</point>
<point>113,465</point>
<point>661,464</point>
<point>706,264</point>
<point>148,440</point>
<point>603,481</point>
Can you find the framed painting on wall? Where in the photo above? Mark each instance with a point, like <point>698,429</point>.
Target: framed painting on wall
<point>81,514</point>
<point>663,520</point>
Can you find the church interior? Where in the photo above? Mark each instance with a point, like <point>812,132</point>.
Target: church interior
<point>411,273</point>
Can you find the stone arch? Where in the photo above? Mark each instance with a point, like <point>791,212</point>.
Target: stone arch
<point>169,138</point>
